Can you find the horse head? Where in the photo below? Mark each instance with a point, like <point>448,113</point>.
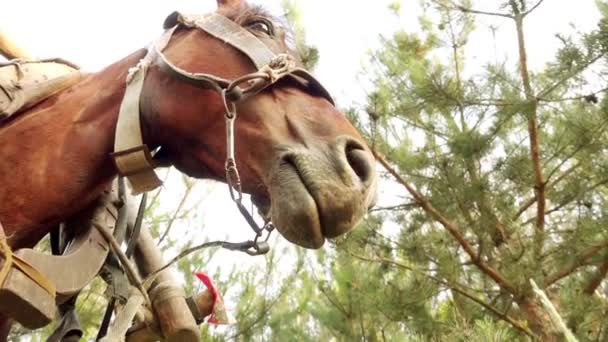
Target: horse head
<point>306,167</point>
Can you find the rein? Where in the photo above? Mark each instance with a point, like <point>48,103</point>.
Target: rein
<point>132,157</point>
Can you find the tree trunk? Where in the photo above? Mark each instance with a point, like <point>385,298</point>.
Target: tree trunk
<point>539,321</point>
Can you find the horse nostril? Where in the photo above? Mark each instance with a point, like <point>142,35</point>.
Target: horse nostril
<point>359,160</point>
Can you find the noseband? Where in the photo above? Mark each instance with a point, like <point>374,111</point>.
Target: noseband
<point>132,157</point>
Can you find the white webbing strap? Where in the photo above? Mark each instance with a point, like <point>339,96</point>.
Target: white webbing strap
<point>131,156</point>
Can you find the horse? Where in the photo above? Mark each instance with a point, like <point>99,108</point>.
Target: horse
<point>304,164</point>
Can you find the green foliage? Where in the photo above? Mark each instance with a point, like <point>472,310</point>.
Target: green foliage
<point>308,53</point>
<point>461,135</point>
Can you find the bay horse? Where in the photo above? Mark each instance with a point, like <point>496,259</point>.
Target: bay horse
<point>301,160</point>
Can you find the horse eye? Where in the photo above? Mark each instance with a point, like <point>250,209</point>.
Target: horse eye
<point>264,26</point>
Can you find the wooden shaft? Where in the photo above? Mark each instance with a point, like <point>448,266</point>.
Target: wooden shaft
<point>124,261</point>
<point>174,317</point>
<point>148,331</point>
<point>10,50</point>
<point>204,303</point>
<point>123,319</point>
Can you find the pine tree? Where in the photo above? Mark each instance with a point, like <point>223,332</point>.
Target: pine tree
<point>504,171</point>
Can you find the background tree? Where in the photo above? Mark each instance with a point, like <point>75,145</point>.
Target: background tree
<point>506,170</point>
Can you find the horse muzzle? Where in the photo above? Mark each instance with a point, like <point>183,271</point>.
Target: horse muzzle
<point>322,192</point>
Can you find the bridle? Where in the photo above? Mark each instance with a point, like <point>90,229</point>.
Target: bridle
<point>132,157</point>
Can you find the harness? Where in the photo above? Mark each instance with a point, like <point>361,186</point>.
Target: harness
<point>133,158</point>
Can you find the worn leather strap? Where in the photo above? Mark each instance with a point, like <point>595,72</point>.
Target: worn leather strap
<point>227,31</point>
<point>11,260</point>
<point>230,32</point>
<point>200,80</point>
<point>132,157</point>
<point>234,34</point>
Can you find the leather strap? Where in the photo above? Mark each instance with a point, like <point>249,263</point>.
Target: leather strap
<point>131,156</point>
<point>11,260</point>
<point>200,80</point>
<point>227,31</point>
<point>232,33</point>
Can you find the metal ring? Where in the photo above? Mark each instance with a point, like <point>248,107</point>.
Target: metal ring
<point>229,106</point>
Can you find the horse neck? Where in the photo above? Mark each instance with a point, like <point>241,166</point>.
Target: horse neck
<point>56,157</point>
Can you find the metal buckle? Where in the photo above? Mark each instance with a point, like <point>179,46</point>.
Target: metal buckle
<point>253,247</point>
<point>132,151</point>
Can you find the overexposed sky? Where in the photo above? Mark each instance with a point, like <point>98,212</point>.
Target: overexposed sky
<point>94,34</point>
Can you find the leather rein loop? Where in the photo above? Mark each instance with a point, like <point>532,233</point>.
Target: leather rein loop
<point>132,157</point>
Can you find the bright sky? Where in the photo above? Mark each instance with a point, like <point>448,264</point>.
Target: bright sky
<point>94,34</point>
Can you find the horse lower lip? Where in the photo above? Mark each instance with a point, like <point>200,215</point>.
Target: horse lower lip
<point>293,208</point>
<point>303,183</point>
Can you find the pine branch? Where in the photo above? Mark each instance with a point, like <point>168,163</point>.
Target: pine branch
<point>487,102</point>
<point>598,277</point>
<point>498,233</point>
<point>575,72</point>
<point>550,185</point>
<point>556,319</point>
<point>575,264</point>
<point>181,204</point>
<point>572,198</point>
<point>454,287</point>
<point>449,226</point>
<point>574,98</point>
<point>458,100</point>
<point>266,308</point>
<point>533,133</point>
<point>474,11</point>
<point>404,206</point>
<point>336,303</point>
<point>527,204</point>
<point>533,8</point>
<point>154,199</point>
<point>461,206</point>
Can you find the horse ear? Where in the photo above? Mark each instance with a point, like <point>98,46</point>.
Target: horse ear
<point>230,3</point>
<point>171,20</point>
